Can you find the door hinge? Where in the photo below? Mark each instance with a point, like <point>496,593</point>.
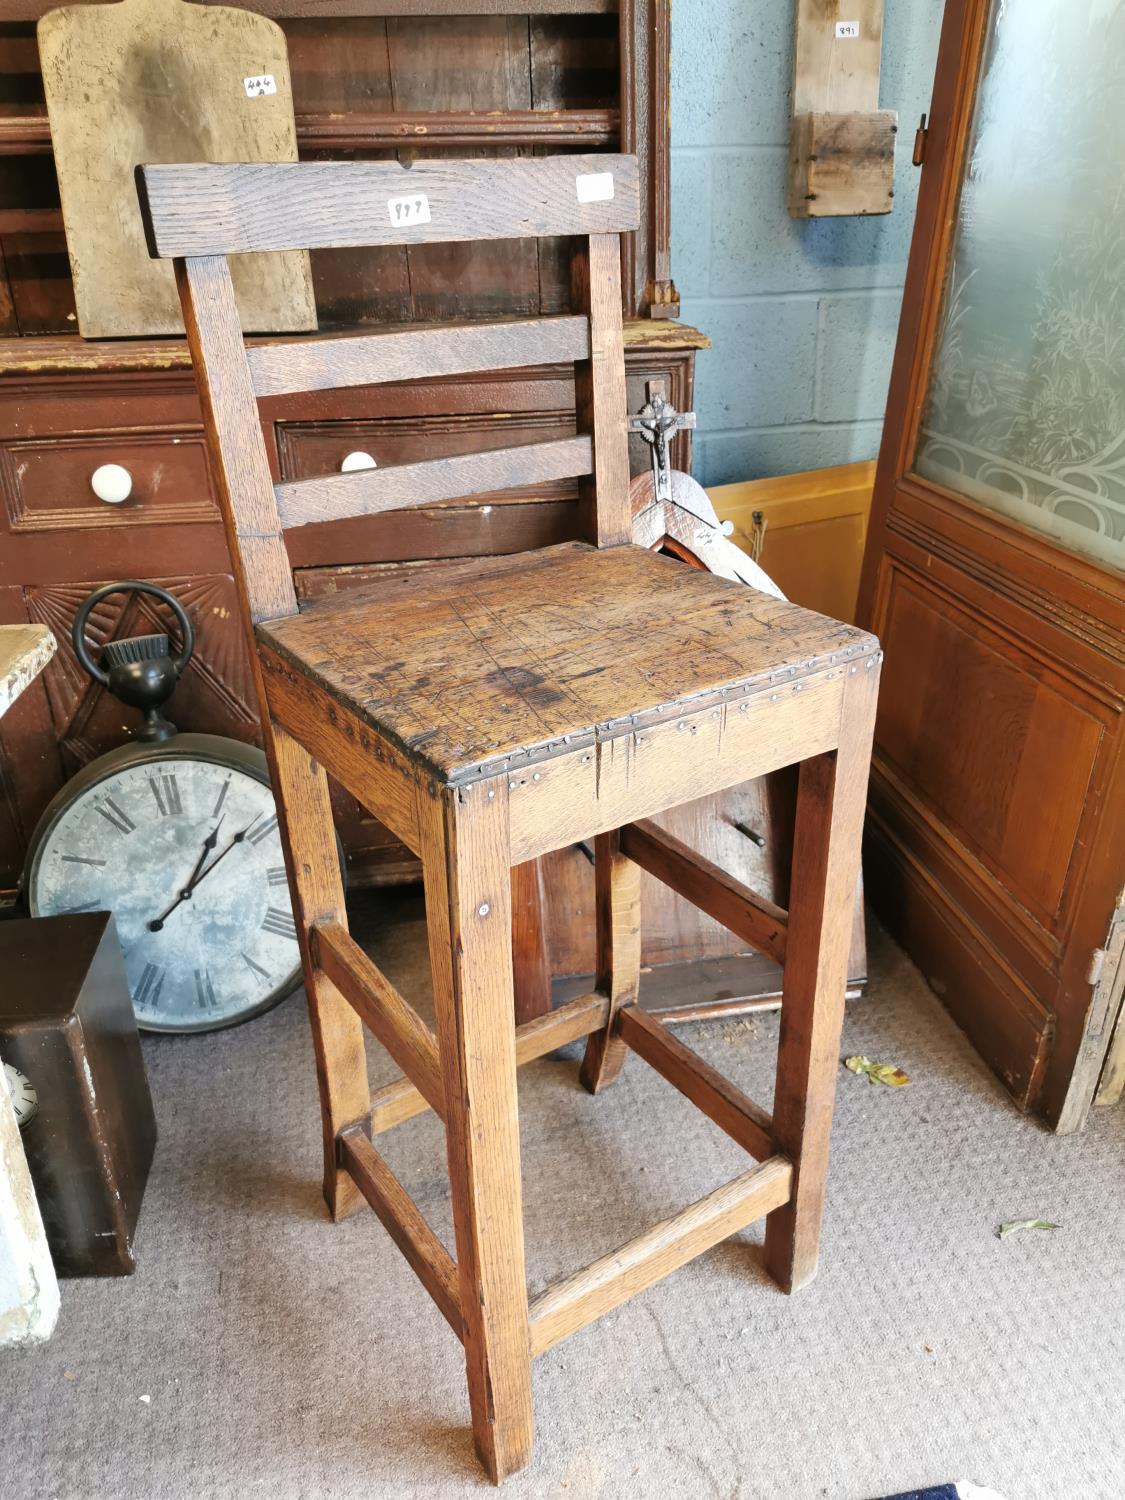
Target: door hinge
<point>1105,969</point>
<point>920,137</point>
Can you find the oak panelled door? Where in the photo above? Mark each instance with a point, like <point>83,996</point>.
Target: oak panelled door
<point>994,564</point>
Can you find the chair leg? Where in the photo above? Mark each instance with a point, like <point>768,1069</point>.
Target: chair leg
<point>530,959</point>
<point>826,852</point>
<point>617,908</point>
<point>466,864</point>
<point>309,840</point>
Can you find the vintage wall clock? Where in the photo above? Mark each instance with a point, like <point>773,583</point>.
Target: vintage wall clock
<point>177,835</point>
<point>21,1091</point>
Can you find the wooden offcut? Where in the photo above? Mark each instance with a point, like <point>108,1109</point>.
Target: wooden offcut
<point>842,164</point>
<point>841,144</point>
<point>162,81</point>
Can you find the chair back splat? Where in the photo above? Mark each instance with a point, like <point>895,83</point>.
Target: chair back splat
<point>198,215</point>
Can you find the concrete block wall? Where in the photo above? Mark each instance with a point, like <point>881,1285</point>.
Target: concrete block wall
<point>803,314</point>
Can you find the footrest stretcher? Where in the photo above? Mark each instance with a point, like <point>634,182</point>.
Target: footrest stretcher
<point>572,1303</point>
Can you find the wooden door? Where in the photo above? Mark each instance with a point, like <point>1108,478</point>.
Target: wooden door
<point>993,566</point>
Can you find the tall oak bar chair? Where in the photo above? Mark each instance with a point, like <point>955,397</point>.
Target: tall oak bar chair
<point>492,710</point>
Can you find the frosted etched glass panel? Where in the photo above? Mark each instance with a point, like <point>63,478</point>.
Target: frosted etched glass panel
<point>1026,407</point>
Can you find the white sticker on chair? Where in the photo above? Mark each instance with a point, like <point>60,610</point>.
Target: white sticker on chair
<point>594,187</point>
<point>414,209</point>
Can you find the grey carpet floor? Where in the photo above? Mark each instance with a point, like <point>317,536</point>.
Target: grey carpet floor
<point>260,1350</point>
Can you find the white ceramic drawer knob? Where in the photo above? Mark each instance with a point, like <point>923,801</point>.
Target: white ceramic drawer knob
<point>357,460</point>
<point>111,483</point>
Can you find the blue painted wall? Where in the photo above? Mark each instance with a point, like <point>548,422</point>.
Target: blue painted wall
<point>803,314</point>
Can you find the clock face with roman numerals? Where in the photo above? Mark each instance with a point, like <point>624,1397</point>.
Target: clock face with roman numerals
<point>21,1091</point>
<point>185,850</point>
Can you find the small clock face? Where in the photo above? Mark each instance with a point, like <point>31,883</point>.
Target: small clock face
<point>186,853</point>
<point>25,1101</point>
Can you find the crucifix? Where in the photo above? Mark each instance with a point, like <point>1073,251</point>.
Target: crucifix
<point>655,422</point>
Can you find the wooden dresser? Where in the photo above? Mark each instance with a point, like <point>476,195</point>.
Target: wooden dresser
<point>452,77</point>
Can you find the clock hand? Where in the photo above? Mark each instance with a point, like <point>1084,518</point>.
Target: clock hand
<point>208,844</point>
<point>193,879</point>
<point>198,880</point>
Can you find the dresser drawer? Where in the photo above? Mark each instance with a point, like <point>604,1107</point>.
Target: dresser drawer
<point>48,483</point>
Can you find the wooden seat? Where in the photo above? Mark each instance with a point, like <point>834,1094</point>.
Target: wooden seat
<point>478,666</point>
<point>490,711</point>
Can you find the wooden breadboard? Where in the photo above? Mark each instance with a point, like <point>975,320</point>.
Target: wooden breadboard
<point>163,81</point>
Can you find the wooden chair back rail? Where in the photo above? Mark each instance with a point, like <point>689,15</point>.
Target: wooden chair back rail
<point>570,1304</point>
<point>200,209</point>
<point>370,492</point>
<point>749,916</point>
<point>430,1261</point>
<point>400,1101</point>
<point>416,354</point>
<point>391,1019</point>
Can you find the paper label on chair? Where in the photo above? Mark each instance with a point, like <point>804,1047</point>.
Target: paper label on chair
<point>412,210</point>
<point>265,83</point>
<point>594,187</point>
<point>847,31</point>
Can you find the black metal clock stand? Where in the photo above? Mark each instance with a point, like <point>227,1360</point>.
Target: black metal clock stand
<point>139,670</point>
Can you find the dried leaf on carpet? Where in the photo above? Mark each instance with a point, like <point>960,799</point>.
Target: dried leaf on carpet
<point>878,1072</point>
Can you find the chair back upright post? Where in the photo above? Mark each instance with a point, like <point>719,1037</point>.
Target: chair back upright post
<point>601,406</point>
<point>197,215</point>
<point>234,437</point>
